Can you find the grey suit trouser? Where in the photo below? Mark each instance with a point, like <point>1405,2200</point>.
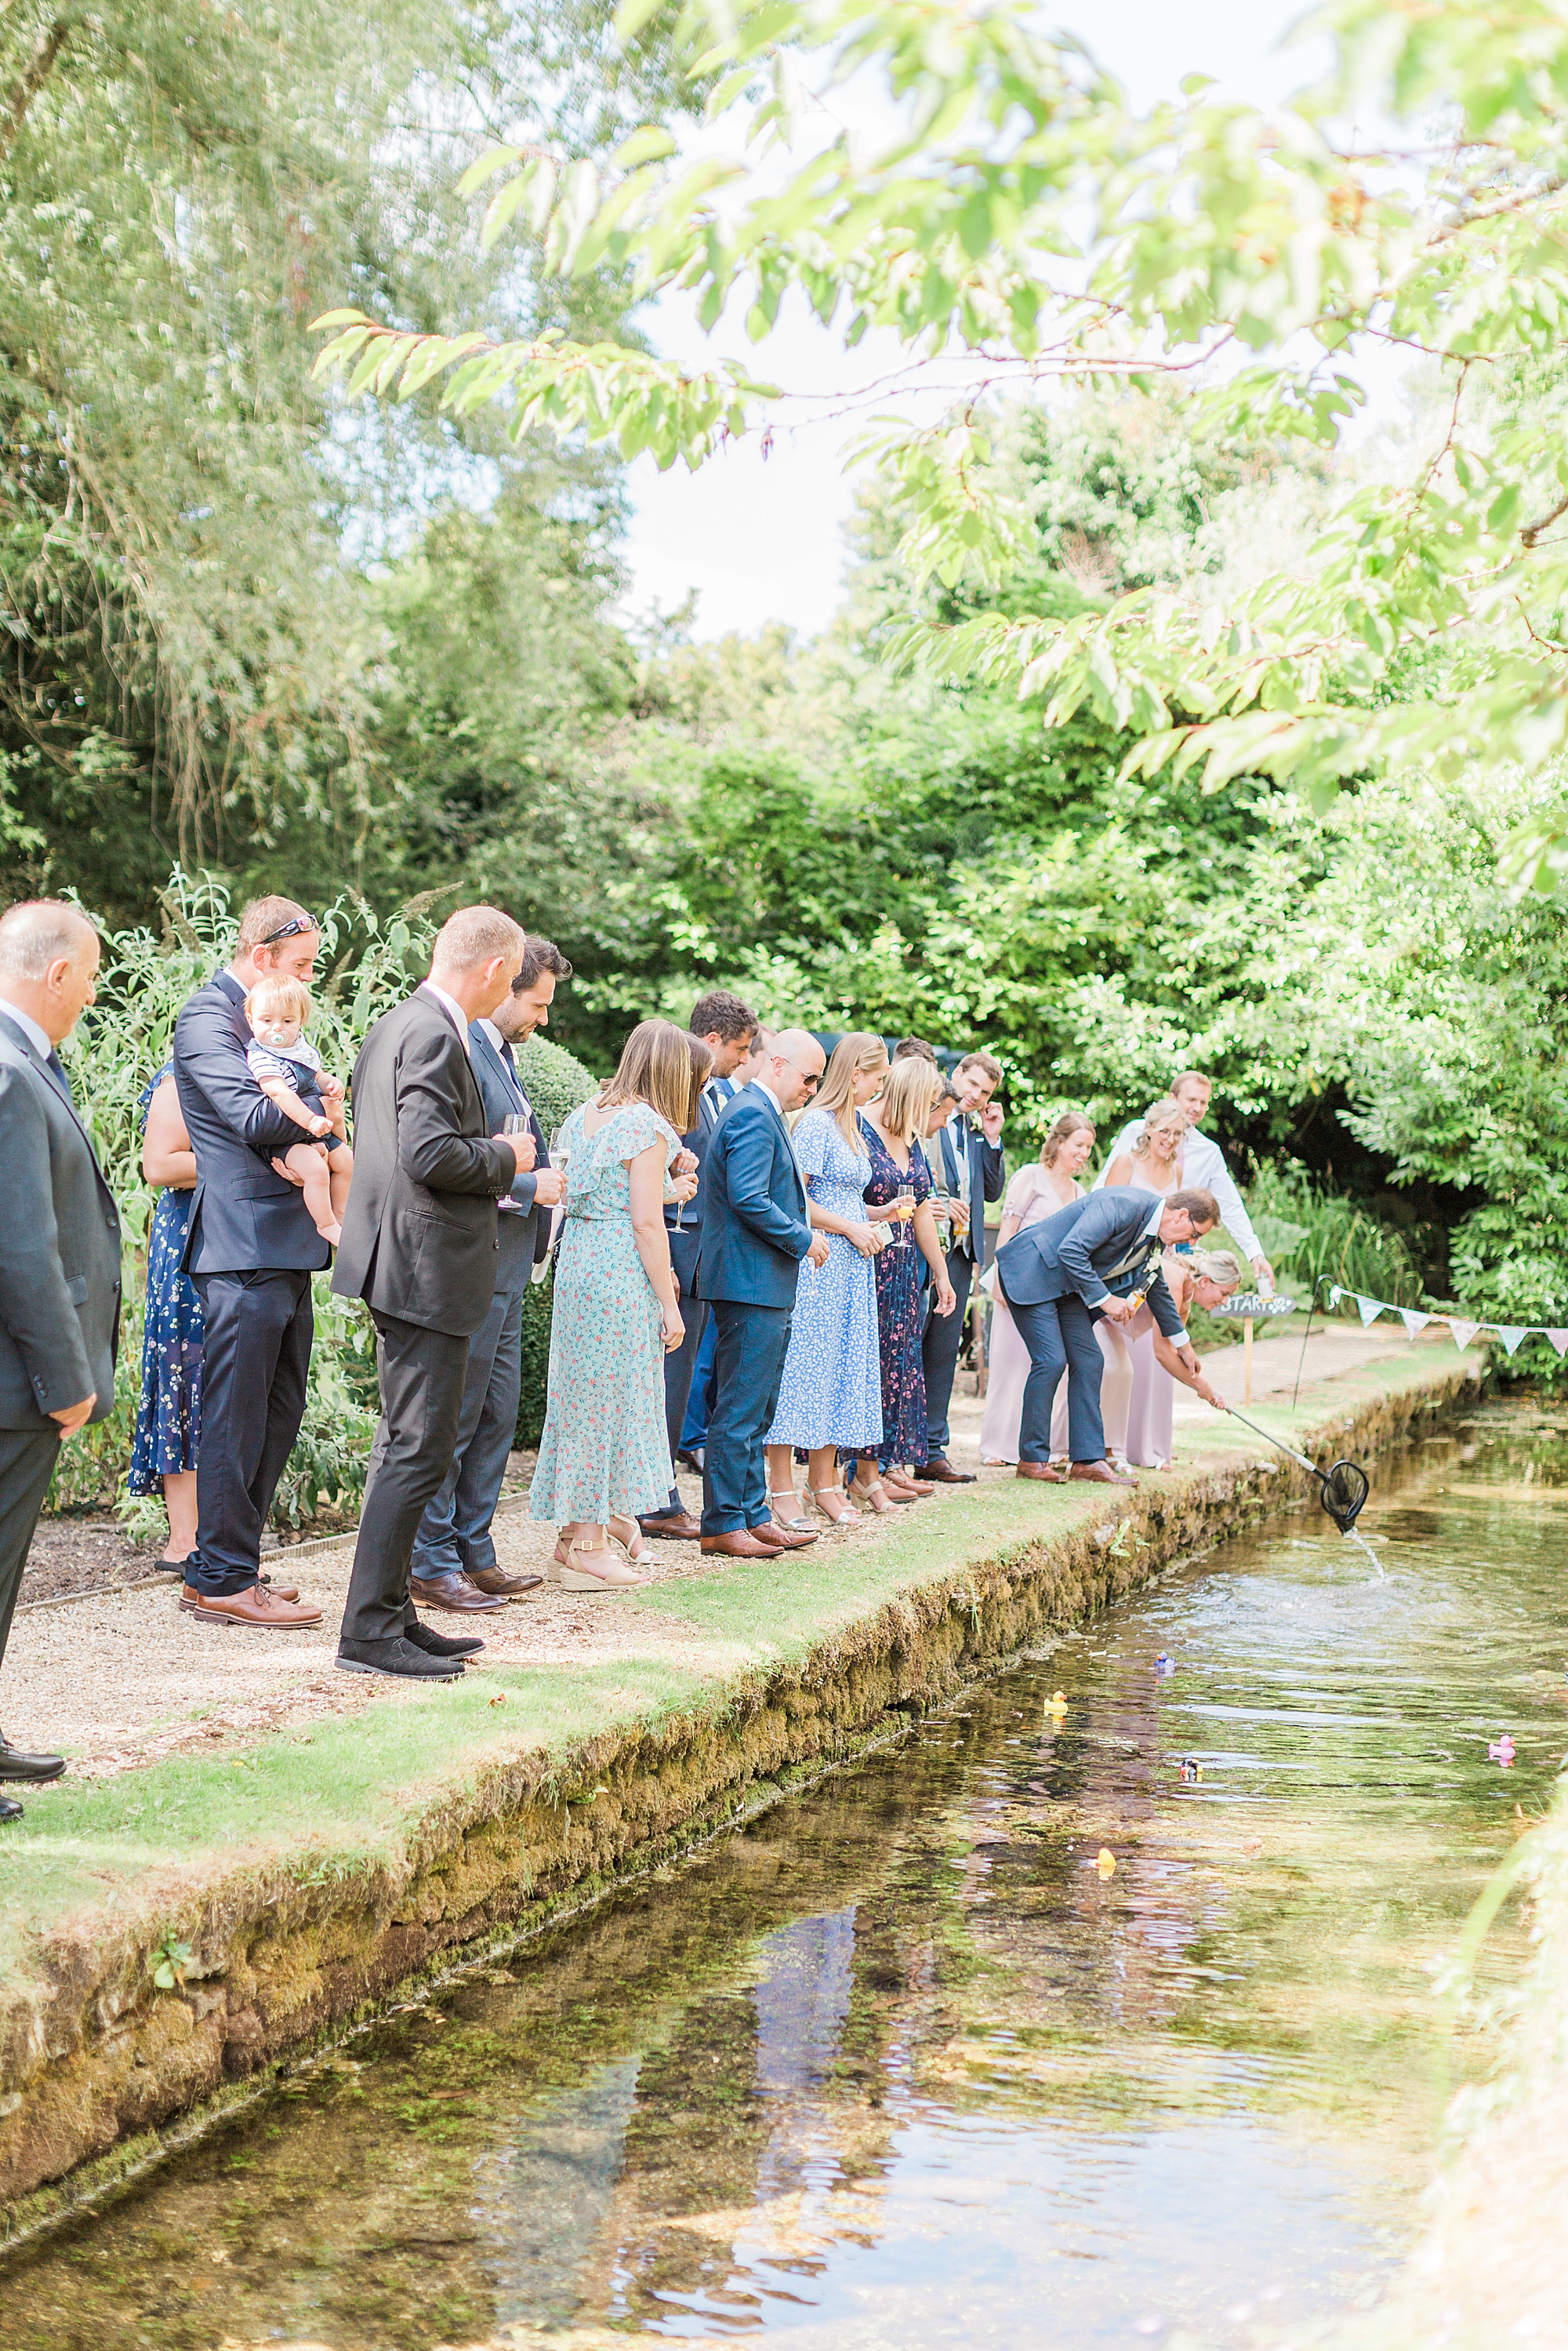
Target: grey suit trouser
<point>422,1374</point>
<point>454,1532</point>
<point>27,1458</point>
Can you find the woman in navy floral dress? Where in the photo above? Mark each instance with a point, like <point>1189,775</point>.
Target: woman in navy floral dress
<point>169,1423</point>
<point>889,1129</point>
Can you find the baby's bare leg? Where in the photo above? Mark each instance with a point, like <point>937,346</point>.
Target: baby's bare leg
<point>308,1162</point>
<point>339,1168</point>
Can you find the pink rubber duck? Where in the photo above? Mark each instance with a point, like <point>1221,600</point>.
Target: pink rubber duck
<point>1501,1751</point>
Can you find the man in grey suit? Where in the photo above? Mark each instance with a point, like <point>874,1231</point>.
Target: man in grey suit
<point>60,1248</point>
<point>1095,1257</point>
<point>420,1246</point>
<point>455,1565</point>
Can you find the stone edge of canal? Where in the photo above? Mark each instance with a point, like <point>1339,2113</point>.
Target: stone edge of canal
<point>102,2073</point>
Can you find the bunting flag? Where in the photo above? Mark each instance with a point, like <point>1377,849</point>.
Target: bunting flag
<point>1510,1336</point>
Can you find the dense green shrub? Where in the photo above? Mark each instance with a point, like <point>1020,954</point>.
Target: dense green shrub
<point>555,1083</point>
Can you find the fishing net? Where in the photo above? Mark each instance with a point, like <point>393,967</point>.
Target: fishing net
<point>1345,1490</point>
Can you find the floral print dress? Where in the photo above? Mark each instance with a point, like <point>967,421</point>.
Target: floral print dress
<point>169,1419</point>
<point>900,1306</point>
<point>831,1393</point>
<point>603,1451</point>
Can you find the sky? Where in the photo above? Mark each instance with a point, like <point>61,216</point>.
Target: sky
<point>759,539</point>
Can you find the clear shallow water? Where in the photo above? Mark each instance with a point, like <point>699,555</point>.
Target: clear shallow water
<point>898,2067</point>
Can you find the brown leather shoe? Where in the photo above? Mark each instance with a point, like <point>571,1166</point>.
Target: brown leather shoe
<point>1043,1471</point>
<point>454,1592</point>
<point>678,1526</point>
<point>779,1537</point>
<point>739,1544</point>
<point>1099,1473</point>
<point>941,1472</point>
<point>496,1579</point>
<point>280,1591</point>
<point>257,1605</point>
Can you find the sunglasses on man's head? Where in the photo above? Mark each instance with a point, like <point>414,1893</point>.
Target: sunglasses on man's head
<point>294,929</point>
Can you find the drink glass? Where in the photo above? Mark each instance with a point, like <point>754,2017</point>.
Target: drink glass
<point>514,1122</point>
<point>905,1213</point>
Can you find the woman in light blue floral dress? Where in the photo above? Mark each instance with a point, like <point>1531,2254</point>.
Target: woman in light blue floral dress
<point>603,1455</point>
<point>829,1397</point>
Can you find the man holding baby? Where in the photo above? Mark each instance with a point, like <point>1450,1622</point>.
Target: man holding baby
<point>253,1247</point>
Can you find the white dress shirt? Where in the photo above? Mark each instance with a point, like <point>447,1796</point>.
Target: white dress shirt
<point>1203,1165</point>
<point>452,1009</point>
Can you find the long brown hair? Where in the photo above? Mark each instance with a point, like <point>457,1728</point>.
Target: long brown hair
<point>664,1067</point>
<point>1070,1123</point>
<point>852,1055</point>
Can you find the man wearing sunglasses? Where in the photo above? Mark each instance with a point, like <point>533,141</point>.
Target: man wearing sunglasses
<point>252,1248</point>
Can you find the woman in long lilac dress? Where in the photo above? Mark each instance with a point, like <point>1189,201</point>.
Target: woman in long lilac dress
<point>1154,1164</point>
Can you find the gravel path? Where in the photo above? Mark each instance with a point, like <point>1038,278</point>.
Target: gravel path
<point>120,1679</point>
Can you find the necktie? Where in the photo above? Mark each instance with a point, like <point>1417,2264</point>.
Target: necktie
<point>507,1056</point>
<point>56,1071</point>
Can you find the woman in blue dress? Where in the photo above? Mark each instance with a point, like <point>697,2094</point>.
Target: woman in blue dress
<point>169,1422</point>
<point>830,1396</point>
<point>898,1165</point>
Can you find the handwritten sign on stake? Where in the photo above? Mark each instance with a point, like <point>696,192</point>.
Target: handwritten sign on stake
<point>1246,1307</point>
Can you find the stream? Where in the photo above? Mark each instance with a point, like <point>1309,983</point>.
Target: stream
<point>903,2065</point>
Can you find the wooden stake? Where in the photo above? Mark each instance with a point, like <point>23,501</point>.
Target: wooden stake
<point>1247,1352</point>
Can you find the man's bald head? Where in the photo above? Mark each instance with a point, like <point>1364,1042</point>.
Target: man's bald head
<point>49,962</point>
<point>794,1063</point>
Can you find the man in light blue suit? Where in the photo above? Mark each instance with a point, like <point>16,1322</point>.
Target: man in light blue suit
<point>453,1566</point>
<point>757,1228</point>
<point>1059,1277</point>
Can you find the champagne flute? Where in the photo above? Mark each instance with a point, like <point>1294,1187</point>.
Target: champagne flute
<point>905,1213</point>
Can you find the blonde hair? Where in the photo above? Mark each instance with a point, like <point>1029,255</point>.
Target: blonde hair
<point>911,1088</point>
<point>660,1066</point>
<point>852,1056</point>
<point>1166,1111</point>
<point>285,998</point>
<point>1220,1266</point>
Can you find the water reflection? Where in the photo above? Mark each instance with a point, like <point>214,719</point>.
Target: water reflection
<point>899,2065</point>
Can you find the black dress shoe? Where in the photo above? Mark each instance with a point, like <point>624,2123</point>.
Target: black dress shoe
<point>15,1765</point>
<point>399,1657</point>
<point>179,1567</point>
<point>441,1645</point>
<point>691,1461</point>
<point>10,1810</point>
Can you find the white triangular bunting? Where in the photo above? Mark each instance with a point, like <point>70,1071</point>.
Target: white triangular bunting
<point>1510,1334</point>
<point>1371,1308</point>
<point>1560,1340</point>
<point>1414,1324</point>
<point>1335,1294</point>
<point>1463,1331</point>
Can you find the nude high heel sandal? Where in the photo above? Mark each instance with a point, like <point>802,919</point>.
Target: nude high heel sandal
<point>615,1576</point>
<point>874,1498</point>
<point>793,1520</point>
<point>846,1515</point>
<point>634,1545</point>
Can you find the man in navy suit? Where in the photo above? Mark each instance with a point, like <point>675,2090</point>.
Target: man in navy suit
<point>729,1028</point>
<point>756,1229</point>
<point>454,1564</point>
<point>966,1163</point>
<point>251,1249</point>
<point>1060,1276</point>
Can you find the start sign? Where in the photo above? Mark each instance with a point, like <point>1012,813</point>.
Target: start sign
<point>1251,1306</point>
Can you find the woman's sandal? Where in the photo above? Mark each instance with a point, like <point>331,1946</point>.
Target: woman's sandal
<point>634,1545</point>
<point>796,1524</point>
<point>616,1575</point>
<point>846,1516</point>
<point>903,1487</point>
<point>874,1498</point>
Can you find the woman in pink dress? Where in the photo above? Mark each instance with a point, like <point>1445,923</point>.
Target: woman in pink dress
<point>1142,1433</point>
<point>1203,1280</point>
<point>1034,1193</point>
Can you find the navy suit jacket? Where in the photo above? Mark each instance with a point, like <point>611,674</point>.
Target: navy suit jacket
<point>1079,1252</point>
<point>987,1169</point>
<point>523,1232</point>
<point>756,1227</point>
<point>245,1218</point>
<point>685,1238</point>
